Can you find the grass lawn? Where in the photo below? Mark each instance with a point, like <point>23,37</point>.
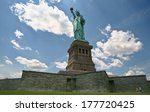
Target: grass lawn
<point>65,93</point>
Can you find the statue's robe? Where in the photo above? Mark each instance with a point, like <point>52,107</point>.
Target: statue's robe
<point>78,28</point>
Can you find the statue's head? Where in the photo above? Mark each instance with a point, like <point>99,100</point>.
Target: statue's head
<point>77,13</point>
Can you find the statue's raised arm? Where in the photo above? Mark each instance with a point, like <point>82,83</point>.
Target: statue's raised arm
<point>74,16</point>
<point>78,25</point>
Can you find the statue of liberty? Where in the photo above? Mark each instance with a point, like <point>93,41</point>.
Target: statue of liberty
<point>78,25</point>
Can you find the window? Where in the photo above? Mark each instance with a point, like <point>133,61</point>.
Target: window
<point>83,51</point>
<point>79,50</point>
<point>86,51</point>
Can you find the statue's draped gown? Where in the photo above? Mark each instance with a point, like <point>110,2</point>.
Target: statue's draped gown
<point>78,28</point>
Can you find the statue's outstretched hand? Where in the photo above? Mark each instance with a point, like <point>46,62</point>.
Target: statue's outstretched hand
<point>71,9</point>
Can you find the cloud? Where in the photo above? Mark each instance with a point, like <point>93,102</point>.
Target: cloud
<point>110,74</point>
<point>55,1</point>
<point>28,48</point>
<point>148,77</point>
<point>7,60</point>
<point>135,71</point>
<point>120,44</point>
<point>116,63</point>
<point>10,75</point>
<point>106,30</point>
<point>2,65</point>
<point>32,64</point>
<point>4,76</point>
<point>100,64</point>
<point>61,65</point>
<point>43,17</point>
<point>18,47</point>
<point>16,75</point>
<point>18,34</point>
<point>117,49</point>
<point>58,1</point>
<point>31,1</point>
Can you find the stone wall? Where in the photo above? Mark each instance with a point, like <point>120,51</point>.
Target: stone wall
<point>148,85</point>
<point>9,84</point>
<point>84,82</point>
<point>130,83</point>
<point>42,81</point>
<point>97,81</point>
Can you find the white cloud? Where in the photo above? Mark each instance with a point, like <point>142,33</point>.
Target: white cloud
<point>110,74</point>
<point>10,75</point>
<point>108,28</point>
<point>55,1</point>
<point>106,31</point>
<point>3,76</point>
<point>116,63</point>
<point>18,34</point>
<point>61,65</point>
<point>148,77</point>
<point>135,71</point>
<point>7,60</point>
<point>116,49</point>
<point>18,47</point>
<point>100,64</point>
<point>120,44</point>
<point>16,75</point>
<point>31,1</point>
<point>32,64</point>
<point>28,48</point>
<point>97,52</point>
<point>2,65</point>
<point>43,17</point>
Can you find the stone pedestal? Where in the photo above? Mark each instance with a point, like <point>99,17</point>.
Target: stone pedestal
<point>80,58</point>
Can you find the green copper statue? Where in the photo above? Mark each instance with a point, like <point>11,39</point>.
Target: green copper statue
<point>78,25</point>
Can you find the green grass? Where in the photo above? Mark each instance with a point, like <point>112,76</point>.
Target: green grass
<point>66,93</point>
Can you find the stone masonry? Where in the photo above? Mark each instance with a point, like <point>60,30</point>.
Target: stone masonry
<point>80,58</point>
<point>85,82</point>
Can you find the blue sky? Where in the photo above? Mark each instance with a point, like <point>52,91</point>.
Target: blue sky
<point>36,34</point>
